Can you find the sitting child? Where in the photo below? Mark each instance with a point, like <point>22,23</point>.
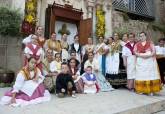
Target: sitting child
<point>89,80</point>
<point>64,83</point>
<point>56,64</point>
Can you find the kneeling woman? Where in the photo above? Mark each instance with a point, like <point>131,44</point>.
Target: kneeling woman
<point>28,87</point>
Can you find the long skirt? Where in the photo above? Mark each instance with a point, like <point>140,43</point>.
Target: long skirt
<point>130,71</point>
<point>147,78</point>
<point>103,84</point>
<point>40,95</point>
<point>115,70</point>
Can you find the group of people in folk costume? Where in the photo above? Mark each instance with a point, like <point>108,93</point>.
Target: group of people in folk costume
<point>52,65</point>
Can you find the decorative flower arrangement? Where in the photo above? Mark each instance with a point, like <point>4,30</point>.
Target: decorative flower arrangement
<point>100,25</point>
<point>29,23</point>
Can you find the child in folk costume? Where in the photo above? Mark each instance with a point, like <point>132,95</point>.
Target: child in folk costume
<point>34,50</point>
<point>89,80</point>
<point>57,63</point>
<point>147,78</point>
<point>65,48</point>
<point>28,88</point>
<point>129,61</point>
<point>64,82</point>
<point>73,67</point>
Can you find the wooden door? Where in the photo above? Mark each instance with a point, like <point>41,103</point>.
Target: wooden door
<point>47,22</point>
<point>85,30</point>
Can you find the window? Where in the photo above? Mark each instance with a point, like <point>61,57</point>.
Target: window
<point>136,7</point>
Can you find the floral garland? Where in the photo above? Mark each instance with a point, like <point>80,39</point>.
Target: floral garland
<point>31,11</point>
<point>30,17</point>
<point>100,25</point>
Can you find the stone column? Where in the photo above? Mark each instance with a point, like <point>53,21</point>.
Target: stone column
<point>39,11</point>
<point>43,6</point>
<point>108,18</point>
<point>89,6</point>
<point>91,14</point>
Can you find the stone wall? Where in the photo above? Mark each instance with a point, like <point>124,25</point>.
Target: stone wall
<point>6,3</point>
<point>10,53</point>
<point>135,26</point>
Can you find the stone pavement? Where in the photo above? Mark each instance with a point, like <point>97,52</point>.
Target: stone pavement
<point>119,101</point>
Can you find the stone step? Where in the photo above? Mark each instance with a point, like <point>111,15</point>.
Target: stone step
<point>120,101</point>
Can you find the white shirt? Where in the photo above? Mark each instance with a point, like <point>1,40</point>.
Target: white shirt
<point>126,51</point>
<point>76,46</point>
<point>55,66</point>
<point>27,40</point>
<point>160,50</point>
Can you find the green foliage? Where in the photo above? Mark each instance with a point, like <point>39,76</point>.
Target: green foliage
<point>64,30</point>
<point>10,21</point>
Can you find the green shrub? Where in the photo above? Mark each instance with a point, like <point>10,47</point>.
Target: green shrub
<point>10,21</point>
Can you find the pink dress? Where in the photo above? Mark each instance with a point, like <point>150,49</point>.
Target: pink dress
<point>23,97</point>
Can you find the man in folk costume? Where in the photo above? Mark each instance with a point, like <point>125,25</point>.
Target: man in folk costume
<point>129,60</point>
<point>147,77</point>
<point>34,50</point>
<point>28,87</point>
<point>160,55</point>
<point>53,44</point>
<point>77,48</point>
<point>65,48</point>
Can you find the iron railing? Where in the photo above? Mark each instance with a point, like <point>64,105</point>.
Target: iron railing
<point>137,7</point>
